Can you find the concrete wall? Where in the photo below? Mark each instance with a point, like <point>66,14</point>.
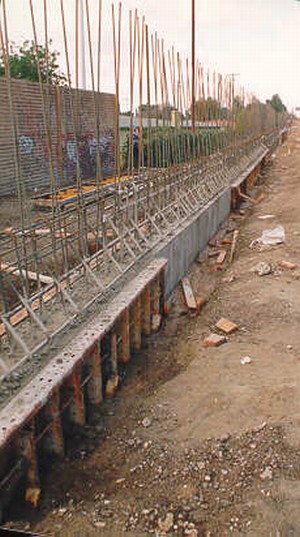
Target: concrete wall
<point>183,248</point>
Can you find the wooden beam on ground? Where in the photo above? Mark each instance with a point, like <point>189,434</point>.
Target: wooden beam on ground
<point>189,294</point>
<point>214,253</point>
<point>221,257</point>
<point>234,245</point>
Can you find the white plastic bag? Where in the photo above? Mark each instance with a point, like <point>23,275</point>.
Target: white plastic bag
<point>271,237</point>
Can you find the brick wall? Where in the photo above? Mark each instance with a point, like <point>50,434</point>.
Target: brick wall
<point>66,112</point>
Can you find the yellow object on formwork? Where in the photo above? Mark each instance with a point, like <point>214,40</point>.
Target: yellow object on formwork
<point>70,192</point>
<point>68,195</point>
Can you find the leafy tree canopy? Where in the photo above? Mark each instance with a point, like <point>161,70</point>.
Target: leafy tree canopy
<point>24,61</point>
<point>277,104</point>
<point>209,109</point>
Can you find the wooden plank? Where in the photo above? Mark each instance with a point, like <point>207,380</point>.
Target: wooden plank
<point>189,294</point>
<point>59,233</point>
<point>221,257</point>
<point>234,245</point>
<point>7,231</point>
<point>10,269</point>
<point>214,253</point>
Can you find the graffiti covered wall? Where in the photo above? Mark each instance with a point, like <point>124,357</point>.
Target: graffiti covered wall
<point>58,127</point>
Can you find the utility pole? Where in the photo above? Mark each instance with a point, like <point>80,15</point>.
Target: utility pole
<point>193,65</point>
<point>233,77</point>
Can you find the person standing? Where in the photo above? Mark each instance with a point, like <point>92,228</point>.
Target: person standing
<point>136,144</point>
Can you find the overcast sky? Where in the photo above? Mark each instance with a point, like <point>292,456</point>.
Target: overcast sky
<point>258,39</point>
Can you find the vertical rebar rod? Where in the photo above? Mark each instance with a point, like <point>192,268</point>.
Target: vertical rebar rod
<point>18,173</point>
<point>193,63</point>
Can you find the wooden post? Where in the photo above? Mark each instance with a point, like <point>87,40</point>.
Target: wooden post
<point>54,441</point>
<point>27,450</point>
<point>156,308</point>
<point>94,385</point>
<point>76,407</point>
<point>146,311</point>
<point>136,326</point>
<point>124,347</point>
<point>113,381</point>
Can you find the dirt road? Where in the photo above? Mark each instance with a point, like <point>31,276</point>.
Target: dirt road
<point>196,443</point>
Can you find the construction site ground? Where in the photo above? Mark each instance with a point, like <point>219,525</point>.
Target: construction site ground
<point>195,443</point>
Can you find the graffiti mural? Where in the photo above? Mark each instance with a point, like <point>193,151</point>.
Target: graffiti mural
<point>26,145</point>
<point>69,151</point>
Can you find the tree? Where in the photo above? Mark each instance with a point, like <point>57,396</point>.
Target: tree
<point>24,62</point>
<point>207,110</point>
<point>156,111</point>
<point>277,104</point>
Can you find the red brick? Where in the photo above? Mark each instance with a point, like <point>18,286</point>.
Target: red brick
<point>287,265</point>
<point>226,326</point>
<point>214,340</point>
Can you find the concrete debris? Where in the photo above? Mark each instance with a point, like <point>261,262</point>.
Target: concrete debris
<point>146,423</point>
<point>266,474</point>
<point>260,427</point>
<point>266,217</point>
<point>246,360</point>
<point>62,511</point>
<point>166,524</point>
<point>263,269</point>
<point>100,524</point>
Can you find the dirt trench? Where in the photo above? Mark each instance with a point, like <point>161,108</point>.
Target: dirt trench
<point>196,443</point>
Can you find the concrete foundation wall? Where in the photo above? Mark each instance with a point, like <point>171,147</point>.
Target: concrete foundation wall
<point>183,248</point>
